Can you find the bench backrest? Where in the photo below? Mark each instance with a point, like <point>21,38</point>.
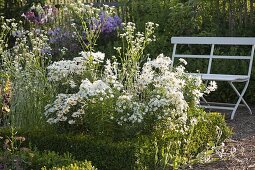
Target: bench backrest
<point>212,41</point>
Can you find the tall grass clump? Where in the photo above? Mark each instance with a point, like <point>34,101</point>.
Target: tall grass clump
<point>25,64</point>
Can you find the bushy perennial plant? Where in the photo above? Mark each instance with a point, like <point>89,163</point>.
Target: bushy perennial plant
<point>135,96</point>
<point>158,90</point>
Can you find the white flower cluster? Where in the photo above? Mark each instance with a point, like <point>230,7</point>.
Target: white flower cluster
<point>129,109</point>
<point>67,68</point>
<point>70,107</point>
<point>211,87</point>
<point>160,94</point>
<point>96,58</point>
<point>63,69</point>
<point>166,95</point>
<point>111,75</point>
<point>138,41</point>
<point>61,106</point>
<point>97,88</point>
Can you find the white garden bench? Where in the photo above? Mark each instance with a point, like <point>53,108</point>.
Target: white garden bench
<point>209,76</point>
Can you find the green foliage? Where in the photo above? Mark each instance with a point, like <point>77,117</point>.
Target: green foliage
<point>28,159</point>
<point>160,150</point>
<point>172,149</point>
<point>197,18</point>
<point>13,154</point>
<point>86,165</point>
<point>103,152</point>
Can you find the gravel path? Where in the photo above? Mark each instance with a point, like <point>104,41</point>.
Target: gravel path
<point>243,140</point>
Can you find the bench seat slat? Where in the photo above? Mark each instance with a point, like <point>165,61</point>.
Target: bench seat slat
<point>214,57</point>
<point>217,107</point>
<point>191,56</point>
<point>222,77</point>
<point>232,57</point>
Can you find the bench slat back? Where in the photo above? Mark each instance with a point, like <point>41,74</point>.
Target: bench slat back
<point>248,41</point>
<point>214,40</point>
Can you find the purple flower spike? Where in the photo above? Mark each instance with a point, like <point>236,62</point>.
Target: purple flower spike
<point>108,24</point>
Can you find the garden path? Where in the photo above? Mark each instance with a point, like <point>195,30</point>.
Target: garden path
<point>243,140</point>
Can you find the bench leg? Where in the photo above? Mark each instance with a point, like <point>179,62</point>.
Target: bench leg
<point>239,99</point>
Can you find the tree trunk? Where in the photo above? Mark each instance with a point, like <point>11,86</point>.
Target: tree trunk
<point>240,12</point>
<point>251,12</point>
<point>230,17</point>
<point>224,16</point>
<point>245,13</point>
<point>217,10</point>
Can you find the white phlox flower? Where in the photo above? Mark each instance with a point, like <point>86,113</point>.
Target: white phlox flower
<point>57,112</point>
<point>63,69</point>
<point>97,57</point>
<point>161,62</point>
<point>146,76</point>
<point>88,89</point>
<point>183,61</point>
<point>110,75</point>
<point>211,87</point>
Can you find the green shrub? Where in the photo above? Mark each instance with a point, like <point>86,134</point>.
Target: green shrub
<point>162,149</point>
<point>28,159</point>
<point>104,153</point>
<point>178,149</point>
<point>80,166</point>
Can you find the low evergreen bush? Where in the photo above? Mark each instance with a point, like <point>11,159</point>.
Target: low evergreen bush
<point>144,151</point>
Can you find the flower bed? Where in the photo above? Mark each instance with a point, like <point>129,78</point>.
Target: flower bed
<point>127,97</point>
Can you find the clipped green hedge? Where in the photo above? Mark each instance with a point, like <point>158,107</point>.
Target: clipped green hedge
<point>107,154</point>
<point>86,165</point>
<point>28,159</point>
<point>104,153</point>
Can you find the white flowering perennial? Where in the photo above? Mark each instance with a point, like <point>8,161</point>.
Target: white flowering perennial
<point>126,93</point>
<point>70,107</point>
<point>61,106</point>
<point>65,69</point>
<point>110,75</point>
<point>137,41</point>
<point>95,58</point>
<point>97,88</point>
<point>129,109</point>
<point>161,93</point>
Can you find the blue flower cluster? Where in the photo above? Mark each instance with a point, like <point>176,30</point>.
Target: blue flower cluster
<point>62,39</point>
<point>109,24</point>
